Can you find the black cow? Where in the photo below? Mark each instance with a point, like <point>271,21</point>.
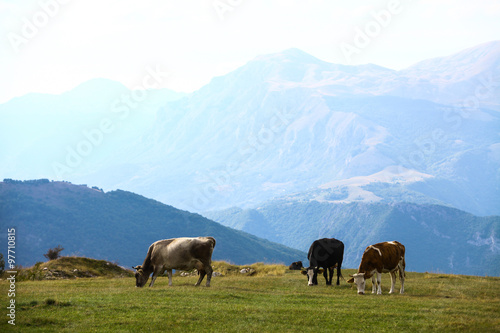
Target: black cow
<point>326,253</point>
<point>296,266</point>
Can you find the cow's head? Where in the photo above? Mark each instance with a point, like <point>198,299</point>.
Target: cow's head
<point>140,276</point>
<point>312,274</point>
<point>360,281</point>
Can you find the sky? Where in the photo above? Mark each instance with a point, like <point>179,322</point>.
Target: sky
<point>52,46</point>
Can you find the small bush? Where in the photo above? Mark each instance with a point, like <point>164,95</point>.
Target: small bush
<point>53,254</point>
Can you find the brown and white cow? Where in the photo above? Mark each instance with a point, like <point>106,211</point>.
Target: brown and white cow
<point>386,257</point>
<point>177,253</point>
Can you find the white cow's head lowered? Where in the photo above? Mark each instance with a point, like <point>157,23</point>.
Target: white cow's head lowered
<point>312,275</point>
<point>360,281</point>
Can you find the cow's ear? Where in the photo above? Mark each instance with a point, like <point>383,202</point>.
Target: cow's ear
<point>351,280</point>
<point>303,272</point>
<point>138,267</point>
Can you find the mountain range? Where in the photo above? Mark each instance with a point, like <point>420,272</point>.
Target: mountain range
<point>283,123</point>
<point>437,238</point>
<point>117,226</point>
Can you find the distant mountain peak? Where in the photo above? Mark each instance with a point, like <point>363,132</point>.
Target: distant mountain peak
<point>290,55</point>
<point>461,65</point>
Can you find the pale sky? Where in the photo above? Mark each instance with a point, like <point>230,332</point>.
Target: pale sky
<point>52,46</point>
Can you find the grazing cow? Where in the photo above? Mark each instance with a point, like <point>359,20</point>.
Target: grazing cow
<point>177,253</point>
<point>326,253</point>
<point>295,266</point>
<point>387,257</point>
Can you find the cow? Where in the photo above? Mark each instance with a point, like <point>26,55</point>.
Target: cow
<point>386,257</point>
<point>326,253</point>
<point>177,253</point>
<point>295,266</point>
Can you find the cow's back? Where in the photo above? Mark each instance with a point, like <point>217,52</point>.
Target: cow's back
<point>384,256</point>
<point>182,253</point>
<point>202,248</point>
<point>327,251</point>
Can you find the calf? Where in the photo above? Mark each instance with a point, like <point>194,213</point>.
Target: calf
<point>387,257</point>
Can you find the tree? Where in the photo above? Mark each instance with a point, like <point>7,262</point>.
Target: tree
<point>53,254</point>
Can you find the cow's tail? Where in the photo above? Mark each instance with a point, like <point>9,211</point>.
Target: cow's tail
<point>402,264</point>
<point>402,270</point>
<point>339,266</point>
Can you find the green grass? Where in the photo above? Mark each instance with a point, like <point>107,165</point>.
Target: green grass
<point>275,300</point>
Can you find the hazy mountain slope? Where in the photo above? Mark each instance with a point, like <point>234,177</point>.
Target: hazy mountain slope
<point>288,122</point>
<point>219,161</point>
<point>466,79</point>
<point>116,226</point>
<point>78,130</point>
<point>437,238</point>
<point>283,123</point>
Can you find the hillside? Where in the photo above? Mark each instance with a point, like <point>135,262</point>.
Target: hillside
<point>437,238</point>
<point>282,123</point>
<point>117,226</point>
<point>72,267</point>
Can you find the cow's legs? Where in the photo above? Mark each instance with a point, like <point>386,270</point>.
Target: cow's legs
<point>209,270</point>
<point>152,280</point>
<point>202,275</point>
<point>169,272</point>
<point>328,272</point>
<point>156,272</point>
<point>402,275</point>
<point>374,284</point>
<point>339,274</point>
<point>393,282</point>
<point>379,283</point>
<point>204,269</point>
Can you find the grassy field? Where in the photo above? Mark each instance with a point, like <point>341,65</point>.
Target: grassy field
<point>271,300</point>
